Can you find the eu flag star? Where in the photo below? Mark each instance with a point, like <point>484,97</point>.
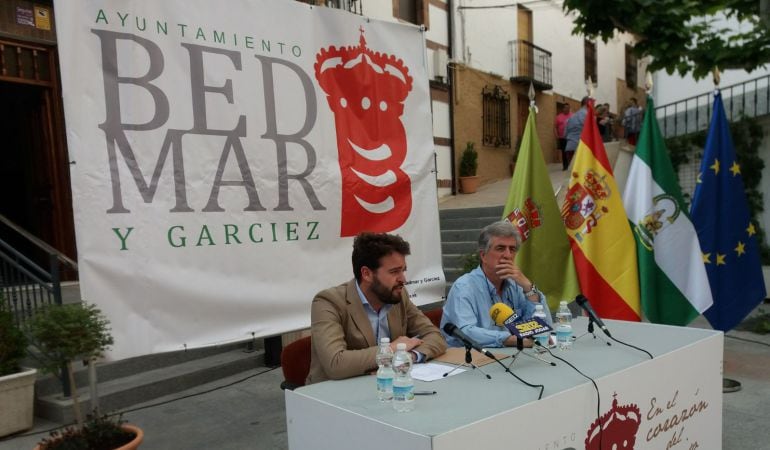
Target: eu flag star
<point>707,258</point>
<point>741,248</point>
<point>751,230</point>
<point>715,166</point>
<point>735,169</point>
<point>721,259</point>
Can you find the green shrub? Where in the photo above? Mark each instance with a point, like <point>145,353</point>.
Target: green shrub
<point>469,162</point>
<point>13,344</point>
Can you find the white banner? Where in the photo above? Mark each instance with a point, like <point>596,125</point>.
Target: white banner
<point>225,154</point>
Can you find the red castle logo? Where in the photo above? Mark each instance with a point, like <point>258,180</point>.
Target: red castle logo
<point>366,93</point>
<point>618,428</point>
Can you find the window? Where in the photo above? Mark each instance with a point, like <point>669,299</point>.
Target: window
<point>589,49</point>
<point>631,62</point>
<point>412,11</point>
<point>496,116</point>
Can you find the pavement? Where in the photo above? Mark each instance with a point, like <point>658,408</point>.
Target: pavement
<point>246,411</point>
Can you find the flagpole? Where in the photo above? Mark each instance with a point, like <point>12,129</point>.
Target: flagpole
<point>728,384</point>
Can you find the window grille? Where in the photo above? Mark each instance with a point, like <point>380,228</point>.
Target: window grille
<point>496,117</point>
<point>590,61</point>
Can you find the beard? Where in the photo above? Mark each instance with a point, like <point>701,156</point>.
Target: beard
<point>385,295</point>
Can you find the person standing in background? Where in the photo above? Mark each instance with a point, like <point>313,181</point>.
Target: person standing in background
<point>573,130</point>
<point>632,121</point>
<point>559,129</point>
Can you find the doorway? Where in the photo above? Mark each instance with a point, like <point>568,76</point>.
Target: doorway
<point>35,193</point>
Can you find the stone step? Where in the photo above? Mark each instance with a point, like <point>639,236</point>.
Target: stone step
<point>459,247</point>
<point>485,211</point>
<point>468,223</point>
<point>122,392</point>
<point>107,371</point>
<point>459,235</point>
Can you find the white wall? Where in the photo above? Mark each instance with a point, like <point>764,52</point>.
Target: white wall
<point>437,32</point>
<point>482,36</point>
<point>488,33</point>
<point>671,88</point>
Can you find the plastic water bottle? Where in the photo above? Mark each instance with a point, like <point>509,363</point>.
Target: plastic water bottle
<point>385,372</point>
<point>541,338</point>
<point>403,385</point>
<point>564,326</point>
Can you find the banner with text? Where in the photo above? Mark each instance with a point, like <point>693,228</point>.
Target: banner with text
<point>223,159</point>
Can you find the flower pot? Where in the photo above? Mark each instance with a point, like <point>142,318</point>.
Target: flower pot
<point>469,185</point>
<point>134,444</point>
<point>17,395</point>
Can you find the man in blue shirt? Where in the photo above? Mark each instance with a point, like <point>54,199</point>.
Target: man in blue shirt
<point>573,130</point>
<point>497,280</point>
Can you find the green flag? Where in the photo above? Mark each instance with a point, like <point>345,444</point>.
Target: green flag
<point>545,255</point>
<point>673,283</point>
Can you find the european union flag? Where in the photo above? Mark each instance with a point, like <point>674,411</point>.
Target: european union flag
<point>727,236</point>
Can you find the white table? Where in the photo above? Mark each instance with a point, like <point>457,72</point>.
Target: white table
<point>676,398</point>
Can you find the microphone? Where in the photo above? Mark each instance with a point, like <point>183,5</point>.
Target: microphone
<point>452,330</point>
<point>583,302</point>
<point>505,316</point>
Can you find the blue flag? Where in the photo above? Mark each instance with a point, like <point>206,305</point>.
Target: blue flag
<point>727,236</point>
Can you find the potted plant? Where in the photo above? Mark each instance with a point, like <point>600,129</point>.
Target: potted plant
<point>469,163</point>
<point>65,333</point>
<point>17,385</point>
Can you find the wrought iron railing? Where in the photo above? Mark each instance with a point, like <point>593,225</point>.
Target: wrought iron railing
<point>530,63</point>
<point>750,98</point>
<point>354,6</point>
<point>25,285</point>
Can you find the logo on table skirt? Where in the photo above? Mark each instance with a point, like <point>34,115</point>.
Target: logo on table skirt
<point>616,429</point>
<point>366,91</point>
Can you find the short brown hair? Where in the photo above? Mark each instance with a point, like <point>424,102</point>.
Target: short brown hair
<point>368,248</point>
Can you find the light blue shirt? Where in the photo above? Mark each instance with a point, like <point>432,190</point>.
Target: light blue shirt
<point>379,321</point>
<point>574,128</point>
<point>468,304</point>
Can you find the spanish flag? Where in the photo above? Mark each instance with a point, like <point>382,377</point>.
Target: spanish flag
<point>602,242</point>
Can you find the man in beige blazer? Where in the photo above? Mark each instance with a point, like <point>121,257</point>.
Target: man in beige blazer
<point>348,320</point>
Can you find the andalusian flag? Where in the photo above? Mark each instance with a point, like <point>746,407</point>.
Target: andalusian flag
<point>673,283</point>
<point>545,255</point>
<point>602,242</point>
<point>727,236</point>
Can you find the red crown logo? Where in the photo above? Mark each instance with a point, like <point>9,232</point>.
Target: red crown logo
<point>618,428</point>
<point>366,91</point>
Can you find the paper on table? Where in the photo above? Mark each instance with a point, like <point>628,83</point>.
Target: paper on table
<point>432,371</point>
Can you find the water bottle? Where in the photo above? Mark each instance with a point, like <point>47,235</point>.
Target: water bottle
<point>385,372</point>
<point>541,338</point>
<point>403,385</point>
<point>564,326</point>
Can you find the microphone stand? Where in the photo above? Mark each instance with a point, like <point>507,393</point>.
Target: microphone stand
<point>468,363</point>
<point>520,351</point>
<point>591,331</point>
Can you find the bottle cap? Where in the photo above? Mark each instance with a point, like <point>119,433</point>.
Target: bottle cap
<point>563,302</point>
<point>401,346</point>
<point>538,307</point>
<point>385,340</point>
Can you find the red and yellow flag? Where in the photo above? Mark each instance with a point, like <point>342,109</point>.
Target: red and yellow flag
<point>602,241</point>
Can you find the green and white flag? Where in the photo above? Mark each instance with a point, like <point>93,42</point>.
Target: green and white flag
<point>545,255</point>
<point>672,277</point>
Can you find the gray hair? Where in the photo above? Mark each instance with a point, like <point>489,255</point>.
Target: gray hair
<point>501,228</point>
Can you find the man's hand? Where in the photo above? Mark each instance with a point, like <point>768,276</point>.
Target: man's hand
<point>507,268</point>
<point>410,342</point>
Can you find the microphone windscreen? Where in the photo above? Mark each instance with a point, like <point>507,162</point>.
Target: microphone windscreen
<point>500,312</point>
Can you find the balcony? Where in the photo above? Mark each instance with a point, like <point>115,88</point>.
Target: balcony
<point>531,64</point>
